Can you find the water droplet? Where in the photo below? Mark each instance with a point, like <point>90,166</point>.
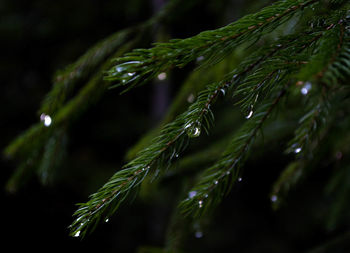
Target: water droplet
<point>216,182</point>
<point>223,91</point>
<point>297,150</point>
<point>250,114</point>
<point>192,194</point>
<point>206,196</point>
<point>46,119</point>
<point>77,234</point>
<point>306,88</point>
<point>106,220</point>
<point>119,69</point>
<point>240,179</point>
<point>200,58</point>
<point>228,172</point>
<point>126,66</point>
<point>198,234</point>
<point>193,129</point>
<point>190,98</point>
<point>339,155</point>
<point>162,76</point>
<point>256,98</point>
<point>274,198</point>
<point>200,203</point>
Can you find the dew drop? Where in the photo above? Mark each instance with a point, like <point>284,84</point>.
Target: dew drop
<point>200,58</point>
<point>77,234</point>
<point>162,76</point>
<point>223,91</point>
<point>198,234</point>
<point>216,182</point>
<point>250,114</point>
<point>297,150</point>
<point>306,88</point>
<point>200,203</point>
<point>106,220</point>
<point>339,155</point>
<point>240,179</point>
<point>193,130</point>
<point>126,65</point>
<point>274,198</point>
<point>119,69</point>
<point>190,98</point>
<point>192,194</point>
<point>46,119</point>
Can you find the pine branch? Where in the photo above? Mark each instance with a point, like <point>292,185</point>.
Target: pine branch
<point>327,51</point>
<point>32,142</point>
<point>154,159</point>
<point>330,49</point>
<point>313,128</point>
<point>142,65</point>
<point>217,180</point>
<point>189,124</point>
<point>65,81</point>
<point>194,84</point>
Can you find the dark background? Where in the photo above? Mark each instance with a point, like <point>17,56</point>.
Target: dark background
<point>40,37</point>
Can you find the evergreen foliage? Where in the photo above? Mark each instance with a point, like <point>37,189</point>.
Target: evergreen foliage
<point>299,56</point>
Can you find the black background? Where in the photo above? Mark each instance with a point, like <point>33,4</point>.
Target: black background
<point>40,37</point>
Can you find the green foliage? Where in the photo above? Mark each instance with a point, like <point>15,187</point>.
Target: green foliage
<point>307,68</point>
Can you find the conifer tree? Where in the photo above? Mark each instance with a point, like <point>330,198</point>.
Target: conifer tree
<point>284,67</point>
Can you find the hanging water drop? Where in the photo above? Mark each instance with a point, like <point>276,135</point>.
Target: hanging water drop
<point>250,114</point>
<point>297,150</point>
<point>46,119</point>
<point>240,179</point>
<point>192,194</point>
<point>106,220</point>
<point>77,234</point>
<point>274,198</point>
<point>223,91</point>
<point>200,58</point>
<point>306,88</point>
<point>198,234</point>
<point>126,66</point>
<point>193,129</point>
<point>216,182</point>
<point>190,98</point>
<point>119,69</point>
<point>162,76</point>
<point>200,203</point>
